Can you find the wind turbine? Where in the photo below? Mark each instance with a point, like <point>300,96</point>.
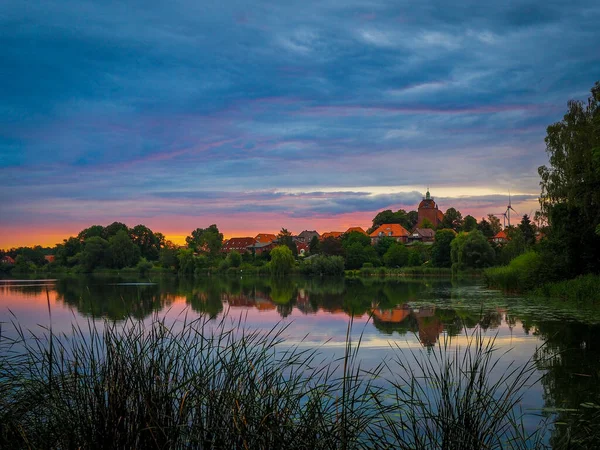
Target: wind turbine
<point>508,209</point>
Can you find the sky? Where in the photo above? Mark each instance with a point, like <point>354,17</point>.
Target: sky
<point>262,115</point>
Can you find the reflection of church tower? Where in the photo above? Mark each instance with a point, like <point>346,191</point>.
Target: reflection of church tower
<point>429,212</point>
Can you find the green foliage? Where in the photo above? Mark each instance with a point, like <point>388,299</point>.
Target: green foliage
<point>282,261</point>
<point>187,265</point>
<point>234,259</point>
<point>471,251</point>
<point>285,238</point>
<point>523,273</point>
<point>314,246</point>
<point>323,265</point>
<point>495,225</point>
<point>94,253</point>
<point>452,220</point>
<point>207,240</point>
<point>168,256</point>
<point>570,197</point>
<point>485,228</point>
<point>527,230</point>
<point>440,252</point>
<point>469,224</point>
<point>582,289</point>
<point>515,246</point>
<point>112,229</point>
<point>93,231</point>
<point>407,220</point>
<point>427,224</point>
<point>67,250</point>
<point>122,252</point>
<point>143,266</point>
<point>383,244</point>
<point>396,256</point>
<point>355,237</point>
<point>332,247</point>
<point>147,241</point>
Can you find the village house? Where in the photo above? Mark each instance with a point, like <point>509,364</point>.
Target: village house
<point>265,238</point>
<point>500,237</point>
<point>422,235</point>
<point>390,230</point>
<point>7,260</point>
<point>239,244</point>
<point>307,236</point>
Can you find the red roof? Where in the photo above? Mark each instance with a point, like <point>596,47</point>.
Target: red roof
<point>501,235</point>
<point>394,230</point>
<point>265,238</point>
<point>7,260</point>
<point>238,244</point>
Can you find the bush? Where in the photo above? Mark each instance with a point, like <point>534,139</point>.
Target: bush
<point>323,265</point>
<point>523,273</point>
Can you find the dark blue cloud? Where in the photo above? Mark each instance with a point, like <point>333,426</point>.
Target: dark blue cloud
<point>116,101</point>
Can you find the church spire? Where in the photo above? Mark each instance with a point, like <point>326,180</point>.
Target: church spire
<point>427,196</point>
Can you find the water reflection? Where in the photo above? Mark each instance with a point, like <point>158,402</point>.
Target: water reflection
<point>563,340</point>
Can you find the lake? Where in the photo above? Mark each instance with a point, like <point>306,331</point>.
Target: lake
<point>412,314</point>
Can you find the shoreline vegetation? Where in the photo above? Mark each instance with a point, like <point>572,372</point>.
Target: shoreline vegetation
<point>174,385</point>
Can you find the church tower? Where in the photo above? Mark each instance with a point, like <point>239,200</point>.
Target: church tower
<point>428,210</point>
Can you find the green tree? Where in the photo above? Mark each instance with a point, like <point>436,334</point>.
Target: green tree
<point>282,261</point>
<point>427,224</point>
<point>285,238</point>
<point>528,230</point>
<point>383,244</point>
<point>495,224</point>
<point>94,253</point>
<point>146,240</point>
<point>168,256</point>
<point>452,220</point>
<point>485,228</point>
<point>66,251</point>
<point>440,251</point>
<point>412,217</point>
<point>355,237</point>
<point>234,259</point>
<point>314,246</point>
<point>396,256</point>
<point>93,231</point>
<point>187,264</point>
<point>332,247</point>
<point>206,240</point>
<point>469,224</point>
<point>471,251</point>
<point>122,252</point>
<point>570,196</point>
<point>113,229</point>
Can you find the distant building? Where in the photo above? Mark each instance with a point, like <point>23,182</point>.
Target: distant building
<point>239,244</point>
<point>500,237</point>
<point>422,235</point>
<point>391,230</point>
<point>264,238</point>
<point>49,258</point>
<point>307,236</point>
<point>7,260</point>
<point>428,210</point>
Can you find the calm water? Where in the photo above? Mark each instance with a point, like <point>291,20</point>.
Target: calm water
<point>563,340</point>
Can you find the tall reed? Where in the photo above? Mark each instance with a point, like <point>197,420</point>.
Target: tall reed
<point>216,384</point>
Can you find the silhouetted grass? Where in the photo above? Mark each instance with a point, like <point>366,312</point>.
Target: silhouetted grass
<point>203,384</point>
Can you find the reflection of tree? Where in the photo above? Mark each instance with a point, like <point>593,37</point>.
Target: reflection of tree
<point>110,298</point>
<point>570,359</point>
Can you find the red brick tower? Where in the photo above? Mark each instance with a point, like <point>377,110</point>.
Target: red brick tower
<point>429,210</point>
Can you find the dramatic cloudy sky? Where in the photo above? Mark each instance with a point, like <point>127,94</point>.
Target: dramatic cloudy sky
<point>257,115</point>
